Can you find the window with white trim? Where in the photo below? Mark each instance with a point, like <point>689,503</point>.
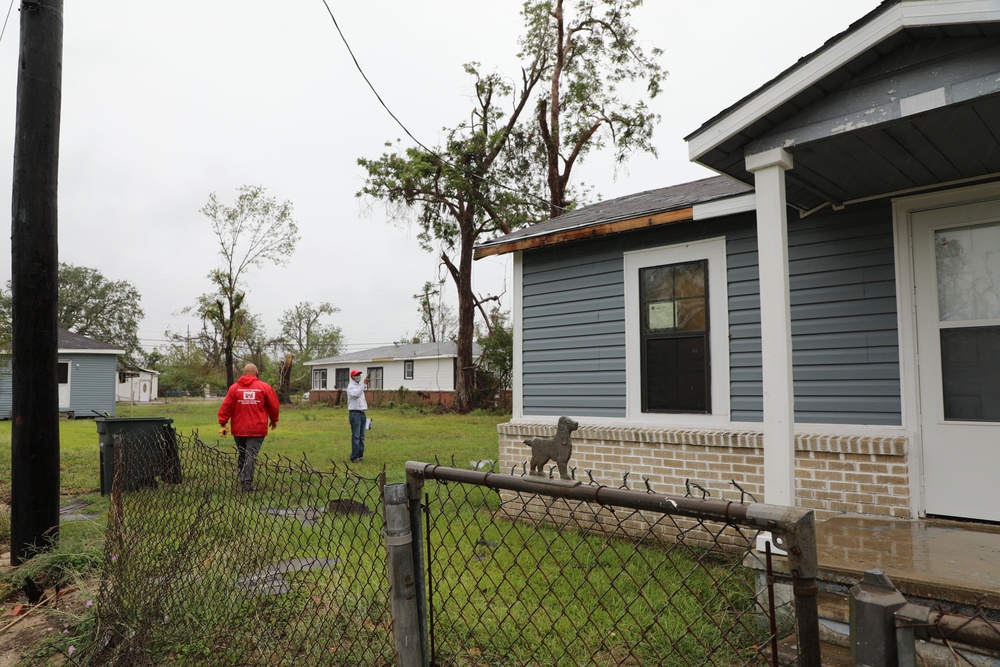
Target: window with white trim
<point>374,374</point>
<point>673,305</point>
<point>408,370</point>
<point>677,322</point>
<point>341,378</point>
<point>319,378</point>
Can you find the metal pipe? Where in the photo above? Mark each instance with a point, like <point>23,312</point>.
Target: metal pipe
<point>953,627</point>
<point>575,490</point>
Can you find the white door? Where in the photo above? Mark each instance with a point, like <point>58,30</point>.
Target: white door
<point>956,260</point>
<point>64,396</point>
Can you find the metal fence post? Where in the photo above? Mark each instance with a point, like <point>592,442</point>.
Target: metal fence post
<point>414,492</point>
<point>402,581</point>
<point>874,601</point>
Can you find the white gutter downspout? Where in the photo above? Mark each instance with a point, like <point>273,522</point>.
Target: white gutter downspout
<point>769,169</point>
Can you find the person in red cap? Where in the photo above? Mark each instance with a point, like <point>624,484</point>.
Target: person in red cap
<point>356,406</point>
<point>250,403</point>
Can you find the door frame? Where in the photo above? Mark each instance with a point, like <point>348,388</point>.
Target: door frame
<point>902,210</point>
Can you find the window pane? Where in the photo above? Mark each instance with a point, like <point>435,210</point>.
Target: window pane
<point>657,283</point>
<point>691,315</point>
<point>970,373</point>
<point>689,280</point>
<point>676,375</point>
<point>63,372</point>
<point>968,272</point>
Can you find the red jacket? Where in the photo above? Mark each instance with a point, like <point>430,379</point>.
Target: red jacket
<point>250,403</point>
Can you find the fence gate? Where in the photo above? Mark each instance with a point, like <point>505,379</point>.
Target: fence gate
<point>522,570</point>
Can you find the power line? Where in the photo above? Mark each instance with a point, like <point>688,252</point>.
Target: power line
<point>410,134</point>
<point>2,31</point>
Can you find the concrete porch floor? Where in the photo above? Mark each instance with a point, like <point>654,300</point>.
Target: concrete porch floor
<point>934,559</point>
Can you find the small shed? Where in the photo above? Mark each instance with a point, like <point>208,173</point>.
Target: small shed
<point>88,377</point>
<point>138,385</point>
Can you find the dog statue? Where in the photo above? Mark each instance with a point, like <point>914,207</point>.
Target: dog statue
<point>557,448</point>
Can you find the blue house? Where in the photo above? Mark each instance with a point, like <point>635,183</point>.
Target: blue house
<point>819,323</point>
<point>88,377</point>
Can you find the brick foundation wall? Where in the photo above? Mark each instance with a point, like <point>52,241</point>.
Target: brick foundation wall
<point>377,398</point>
<point>833,474</point>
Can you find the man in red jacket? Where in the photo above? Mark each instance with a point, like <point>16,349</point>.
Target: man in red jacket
<point>250,403</point>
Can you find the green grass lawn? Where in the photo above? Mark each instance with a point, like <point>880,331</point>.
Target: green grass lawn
<point>319,432</point>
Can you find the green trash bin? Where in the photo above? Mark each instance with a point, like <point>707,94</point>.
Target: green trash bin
<point>151,453</point>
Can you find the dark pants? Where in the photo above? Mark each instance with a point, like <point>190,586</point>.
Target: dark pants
<point>246,458</point>
<point>357,419</point>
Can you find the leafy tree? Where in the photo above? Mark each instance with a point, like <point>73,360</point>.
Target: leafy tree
<point>254,231</point>
<point>487,177</point>
<point>497,345</point>
<point>437,319</point>
<point>92,306</point>
<point>183,369</point>
<point>454,193</point>
<point>591,52</point>
<point>304,334</point>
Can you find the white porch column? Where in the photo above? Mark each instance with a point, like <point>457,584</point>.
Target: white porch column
<point>768,169</point>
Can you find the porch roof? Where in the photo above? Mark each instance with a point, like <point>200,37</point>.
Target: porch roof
<point>906,99</point>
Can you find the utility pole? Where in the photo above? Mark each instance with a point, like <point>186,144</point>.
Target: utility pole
<point>34,282</point>
<point>430,312</point>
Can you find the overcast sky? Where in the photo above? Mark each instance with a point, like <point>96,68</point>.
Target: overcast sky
<point>165,103</point>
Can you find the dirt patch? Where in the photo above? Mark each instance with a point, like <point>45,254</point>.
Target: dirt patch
<point>25,627</point>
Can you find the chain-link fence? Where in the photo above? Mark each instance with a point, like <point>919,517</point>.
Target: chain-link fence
<point>527,571</point>
<point>518,570</point>
<point>200,572</point>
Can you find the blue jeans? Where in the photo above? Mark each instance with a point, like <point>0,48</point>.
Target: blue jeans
<point>246,459</point>
<point>357,419</point>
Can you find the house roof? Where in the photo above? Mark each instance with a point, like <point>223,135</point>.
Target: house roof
<point>395,353</point>
<point>905,99</point>
<point>73,342</point>
<point>636,211</point>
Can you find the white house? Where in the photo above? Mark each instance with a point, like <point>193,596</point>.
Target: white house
<point>424,370</point>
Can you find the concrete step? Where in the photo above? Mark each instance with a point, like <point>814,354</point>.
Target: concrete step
<point>831,655</point>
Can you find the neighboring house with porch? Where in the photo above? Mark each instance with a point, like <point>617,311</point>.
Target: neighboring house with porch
<point>424,370</point>
<point>821,322</point>
<point>88,377</point>
<point>138,385</point>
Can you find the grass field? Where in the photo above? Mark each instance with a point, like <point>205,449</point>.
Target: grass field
<point>319,432</point>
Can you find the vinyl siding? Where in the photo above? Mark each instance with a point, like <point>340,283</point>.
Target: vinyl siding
<point>435,374</point>
<point>573,321</point>
<point>93,384</point>
<point>845,343</point>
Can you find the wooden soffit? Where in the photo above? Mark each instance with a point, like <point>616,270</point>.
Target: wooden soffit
<point>588,232</point>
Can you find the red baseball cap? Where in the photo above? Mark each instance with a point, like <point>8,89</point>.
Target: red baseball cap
<point>355,372</point>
